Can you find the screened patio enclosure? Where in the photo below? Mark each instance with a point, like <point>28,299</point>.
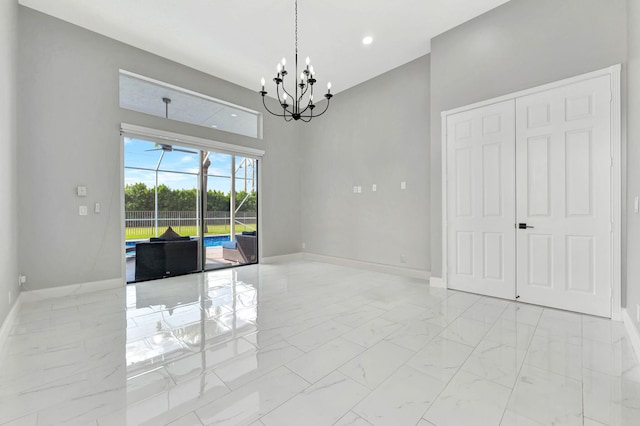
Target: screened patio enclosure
<point>187,209</point>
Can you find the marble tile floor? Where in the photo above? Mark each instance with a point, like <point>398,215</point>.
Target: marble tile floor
<point>307,343</point>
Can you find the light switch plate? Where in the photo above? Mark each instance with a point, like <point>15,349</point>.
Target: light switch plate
<point>82,191</point>
<point>374,187</point>
<point>83,211</point>
<point>359,189</point>
<point>403,185</point>
<point>97,208</point>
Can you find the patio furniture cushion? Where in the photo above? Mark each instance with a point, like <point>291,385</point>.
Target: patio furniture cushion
<point>170,234</point>
<point>229,244</point>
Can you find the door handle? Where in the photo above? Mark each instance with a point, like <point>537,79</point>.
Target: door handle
<point>524,226</point>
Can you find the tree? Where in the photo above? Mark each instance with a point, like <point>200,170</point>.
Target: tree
<point>138,197</point>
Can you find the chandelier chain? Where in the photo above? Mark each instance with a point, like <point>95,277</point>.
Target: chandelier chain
<point>296,28</point>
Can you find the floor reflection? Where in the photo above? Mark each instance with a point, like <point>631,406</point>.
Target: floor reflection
<point>307,343</point>
<point>177,317</point>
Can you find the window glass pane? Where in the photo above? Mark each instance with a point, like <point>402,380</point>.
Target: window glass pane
<point>139,94</point>
<point>141,154</point>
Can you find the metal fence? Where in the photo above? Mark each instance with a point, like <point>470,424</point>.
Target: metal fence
<point>142,223</point>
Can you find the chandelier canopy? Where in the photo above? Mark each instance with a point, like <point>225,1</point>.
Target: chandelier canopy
<point>302,106</point>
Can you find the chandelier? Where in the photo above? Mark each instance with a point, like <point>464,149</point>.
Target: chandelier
<point>301,99</point>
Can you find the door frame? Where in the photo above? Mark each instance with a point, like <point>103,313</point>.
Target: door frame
<point>616,172</point>
<point>195,142</point>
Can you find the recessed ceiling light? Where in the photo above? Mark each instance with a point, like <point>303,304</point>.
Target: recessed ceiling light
<point>367,40</point>
<point>234,115</point>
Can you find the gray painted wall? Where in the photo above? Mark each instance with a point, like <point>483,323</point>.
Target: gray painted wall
<point>69,122</point>
<point>633,159</point>
<point>374,133</point>
<point>521,44</point>
<point>8,158</point>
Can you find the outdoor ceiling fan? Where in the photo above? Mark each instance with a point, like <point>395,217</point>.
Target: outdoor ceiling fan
<point>170,148</point>
<point>167,147</point>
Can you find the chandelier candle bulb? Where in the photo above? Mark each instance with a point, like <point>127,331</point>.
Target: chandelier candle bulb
<point>262,82</point>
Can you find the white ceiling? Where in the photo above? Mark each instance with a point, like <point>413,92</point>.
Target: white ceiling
<point>242,40</point>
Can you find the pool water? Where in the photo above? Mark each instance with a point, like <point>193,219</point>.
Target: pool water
<point>215,240</point>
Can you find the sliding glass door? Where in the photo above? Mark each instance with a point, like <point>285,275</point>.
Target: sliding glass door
<point>229,209</point>
<point>187,210</point>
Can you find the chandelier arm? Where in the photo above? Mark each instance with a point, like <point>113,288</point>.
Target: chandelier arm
<point>266,107</point>
<point>285,91</point>
<point>276,114</point>
<point>325,109</point>
<point>306,108</point>
<point>310,100</point>
<point>306,88</point>
<point>278,95</point>
<point>310,116</point>
<point>271,112</point>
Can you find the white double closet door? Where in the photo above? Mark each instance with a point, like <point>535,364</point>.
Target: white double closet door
<point>529,206</point>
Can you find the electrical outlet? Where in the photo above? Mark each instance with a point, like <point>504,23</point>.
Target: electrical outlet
<point>355,189</point>
<point>304,246</point>
<point>374,187</point>
<point>403,185</point>
<point>82,210</point>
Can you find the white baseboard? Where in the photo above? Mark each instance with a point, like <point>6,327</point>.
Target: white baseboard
<point>437,282</point>
<point>282,258</point>
<point>7,324</point>
<point>377,267</point>
<point>69,290</point>
<point>633,331</point>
